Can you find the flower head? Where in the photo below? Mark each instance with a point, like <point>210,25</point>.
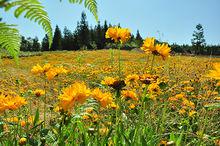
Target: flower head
<point>118,34</point>
<point>129,94</point>
<point>162,50</point>
<point>22,141</point>
<point>77,92</point>
<point>39,92</point>
<point>105,99</point>
<point>215,73</point>
<point>11,102</point>
<point>148,45</point>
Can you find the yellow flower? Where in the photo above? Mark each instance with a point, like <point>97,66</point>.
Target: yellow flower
<point>154,88</point>
<point>118,34</point>
<point>105,99</point>
<point>23,123</point>
<point>37,69</point>
<point>191,113</point>
<point>182,111</point>
<point>46,67</point>
<point>22,141</point>
<point>48,70</point>
<point>11,102</point>
<point>39,92</point>
<point>131,79</point>
<point>103,131</point>
<point>129,94</point>
<point>124,35</point>
<point>132,106</point>
<point>215,74</point>
<point>148,45</point>
<point>160,49</point>
<point>12,120</point>
<point>108,81</point>
<point>163,50</point>
<point>112,33</point>
<point>148,78</point>
<point>189,89</point>
<point>77,92</point>
<point>51,74</point>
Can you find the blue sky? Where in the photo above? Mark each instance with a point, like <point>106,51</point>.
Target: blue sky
<point>168,20</point>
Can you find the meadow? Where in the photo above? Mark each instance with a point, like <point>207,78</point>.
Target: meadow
<point>151,101</point>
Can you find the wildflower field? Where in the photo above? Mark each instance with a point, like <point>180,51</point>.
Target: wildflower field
<point>78,98</point>
<point>110,97</point>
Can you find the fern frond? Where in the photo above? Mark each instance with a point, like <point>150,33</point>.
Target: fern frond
<point>91,5</point>
<point>10,39</point>
<point>32,10</point>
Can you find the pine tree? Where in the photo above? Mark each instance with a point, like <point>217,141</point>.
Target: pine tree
<point>138,38</point>
<point>24,42</point>
<point>83,32</point>
<point>67,42</point>
<point>198,41</point>
<point>75,41</point>
<point>57,40</point>
<point>99,37</point>
<point>45,43</point>
<point>36,44</point>
<point>29,44</point>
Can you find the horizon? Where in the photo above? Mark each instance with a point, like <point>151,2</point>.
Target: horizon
<point>153,19</point>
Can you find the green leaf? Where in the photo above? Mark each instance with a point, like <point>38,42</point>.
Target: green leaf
<point>91,5</point>
<point>10,39</point>
<point>36,118</point>
<point>34,11</point>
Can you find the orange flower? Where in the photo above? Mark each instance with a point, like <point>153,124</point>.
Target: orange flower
<point>11,102</point>
<point>118,34</point>
<point>148,45</point>
<point>104,98</point>
<point>215,73</point>
<point>129,94</point>
<point>39,92</point>
<point>77,92</point>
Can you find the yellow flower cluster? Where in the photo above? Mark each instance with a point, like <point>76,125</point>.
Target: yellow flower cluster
<point>48,70</point>
<point>215,74</point>
<point>11,102</point>
<point>105,99</point>
<point>129,95</point>
<point>77,92</point>
<point>118,34</point>
<point>109,81</point>
<point>162,50</point>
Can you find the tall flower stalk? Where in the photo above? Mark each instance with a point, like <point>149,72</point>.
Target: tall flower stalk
<point>119,36</point>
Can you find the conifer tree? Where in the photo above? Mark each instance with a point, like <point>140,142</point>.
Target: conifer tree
<point>45,43</point>
<point>68,41</point>
<point>198,41</point>
<point>57,40</point>
<point>83,32</point>
<point>36,45</point>
<point>139,39</point>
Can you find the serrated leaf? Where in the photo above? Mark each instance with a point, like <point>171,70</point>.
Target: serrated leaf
<point>32,10</point>
<point>10,39</point>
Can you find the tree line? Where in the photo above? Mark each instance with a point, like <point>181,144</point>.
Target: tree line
<point>93,38</point>
<point>82,38</point>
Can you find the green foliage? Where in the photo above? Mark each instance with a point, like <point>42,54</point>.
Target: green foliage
<point>198,41</point>
<point>57,40</point>
<point>91,5</point>
<point>45,44</point>
<point>10,39</point>
<point>33,10</point>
